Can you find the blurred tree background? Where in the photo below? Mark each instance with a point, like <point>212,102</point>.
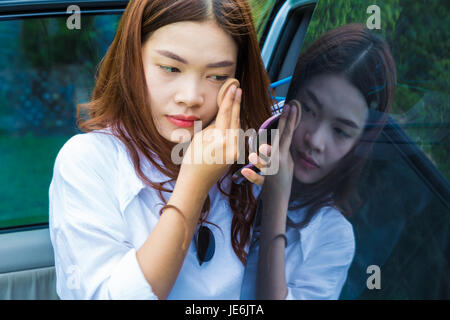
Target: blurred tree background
<point>53,70</point>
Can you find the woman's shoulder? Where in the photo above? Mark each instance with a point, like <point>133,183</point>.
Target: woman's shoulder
<point>96,150</point>
<point>328,232</point>
<point>333,221</point>
<point>334,215</point>
<point>328,224</point>
<point>326,215</point>
<point>94,142</point>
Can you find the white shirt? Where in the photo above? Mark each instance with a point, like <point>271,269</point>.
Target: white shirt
<point>101,213</point>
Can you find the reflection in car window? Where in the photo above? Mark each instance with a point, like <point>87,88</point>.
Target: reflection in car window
<point>417,32</point>
<point>46,69</point>
<point>403,223</point>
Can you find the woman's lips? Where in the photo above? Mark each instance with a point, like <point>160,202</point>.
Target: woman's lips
<point>181,123</point>
<point>307,161</point>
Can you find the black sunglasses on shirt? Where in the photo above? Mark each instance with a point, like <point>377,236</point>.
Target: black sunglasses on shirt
<point>205,244</point>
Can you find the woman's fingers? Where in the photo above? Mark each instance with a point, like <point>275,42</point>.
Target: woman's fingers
<point>263,160</point>
<point>289,127</point>
<point>236,110</point>
<point>280,129</point>
<point>224,115</point>
<point>265,150</point>
<point>297,104</point>
<point>257,161</point>
<point>232,133</point>
<point>252,176</point>
<point>223,90</point>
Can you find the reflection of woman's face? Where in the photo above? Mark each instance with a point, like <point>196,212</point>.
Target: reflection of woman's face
<point>333,117</point>
<point>185,64</point>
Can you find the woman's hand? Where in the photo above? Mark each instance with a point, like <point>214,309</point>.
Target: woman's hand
<point>262,162</point>
<point>214,149</point>
<point>281,182</point>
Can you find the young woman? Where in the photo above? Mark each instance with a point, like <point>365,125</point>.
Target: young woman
<point>345,85</point>
<point>122,213</point>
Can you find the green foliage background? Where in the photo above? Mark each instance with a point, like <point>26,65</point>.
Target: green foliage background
<point>46,70</point>
<point>261,10</point>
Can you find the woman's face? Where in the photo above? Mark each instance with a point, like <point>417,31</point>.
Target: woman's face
<point>185,64</point>
<point>333,116</point>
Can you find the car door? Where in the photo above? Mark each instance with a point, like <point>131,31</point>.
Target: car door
<point>47,65</point>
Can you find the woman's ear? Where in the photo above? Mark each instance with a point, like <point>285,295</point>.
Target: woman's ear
<point>224,88</point>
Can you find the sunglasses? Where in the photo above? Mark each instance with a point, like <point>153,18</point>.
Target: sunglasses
<point>205,244</point>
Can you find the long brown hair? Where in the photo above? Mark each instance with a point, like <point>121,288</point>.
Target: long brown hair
<point>120,97</point>
<point>365,60</point>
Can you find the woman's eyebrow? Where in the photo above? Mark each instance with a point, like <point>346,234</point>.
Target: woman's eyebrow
<point>319,105</point>
<point>176,57</point>
<point>348,122</point>
<point>220,64</point>
<point>314,98</point>
<point>171,55</point>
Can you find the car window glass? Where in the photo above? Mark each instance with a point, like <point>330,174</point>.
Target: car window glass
<point>46,69</point>
<point>403,224</point>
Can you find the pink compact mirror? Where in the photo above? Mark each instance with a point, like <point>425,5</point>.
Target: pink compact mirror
<point>271,123</point>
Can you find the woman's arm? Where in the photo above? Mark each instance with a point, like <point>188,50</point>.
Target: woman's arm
<point>161,256</point>
<point>275,199</point>
<point>271,267</point>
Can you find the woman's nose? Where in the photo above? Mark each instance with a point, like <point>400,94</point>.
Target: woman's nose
<point>315,139</point>
<point>189,93</point>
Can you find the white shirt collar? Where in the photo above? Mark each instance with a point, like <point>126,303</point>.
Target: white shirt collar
<point>129,187</point>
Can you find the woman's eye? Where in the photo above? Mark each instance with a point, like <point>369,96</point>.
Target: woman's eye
<point>169,69</point>
<point>341,133</point>
<point>220,78</point>
<point>307,109</point>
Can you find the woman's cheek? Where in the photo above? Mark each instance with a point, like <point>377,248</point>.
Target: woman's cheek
<point>339,152</point>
